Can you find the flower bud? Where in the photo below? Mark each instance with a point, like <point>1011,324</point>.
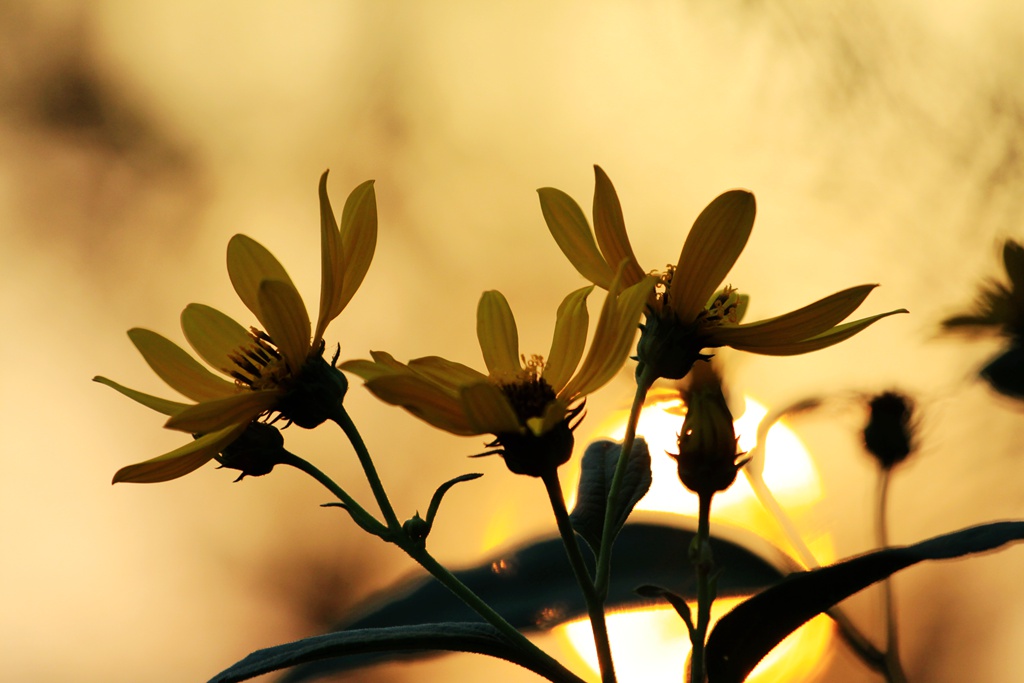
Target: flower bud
<point>255,452</point>
<point>707,444</point>
<point>888,435</point>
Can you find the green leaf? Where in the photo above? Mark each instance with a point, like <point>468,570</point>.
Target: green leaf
<point>533,587</point>
<point>456,637</point>
<point>750,631</point>
<point>597,471</point>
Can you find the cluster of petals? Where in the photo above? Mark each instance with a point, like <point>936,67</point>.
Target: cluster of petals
<point>712,247</point>
<point>256,368</point>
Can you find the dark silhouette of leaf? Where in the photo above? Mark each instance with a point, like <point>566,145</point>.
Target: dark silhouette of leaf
<point>750,631</point>
<point>597,469</point>
<point>460,637</point>
<point>533,586</point>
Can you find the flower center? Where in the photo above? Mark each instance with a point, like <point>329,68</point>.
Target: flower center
<point>259,366</point>
<point>529,393</point>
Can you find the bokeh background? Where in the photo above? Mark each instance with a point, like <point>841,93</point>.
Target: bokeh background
<point>883,140</point>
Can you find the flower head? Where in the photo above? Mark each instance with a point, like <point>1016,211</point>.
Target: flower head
<point>528,403</point>
<point>689,312</point>
<point>1000,310</point>
<point>275,370</point>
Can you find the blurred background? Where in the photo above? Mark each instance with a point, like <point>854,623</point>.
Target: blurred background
<point>883,141</point>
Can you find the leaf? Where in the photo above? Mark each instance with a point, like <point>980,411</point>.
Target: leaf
<point>597,470</point>
<point>750,631</point>
<point>460,637</point>
<point>435,501</point>
<point>533,586</point>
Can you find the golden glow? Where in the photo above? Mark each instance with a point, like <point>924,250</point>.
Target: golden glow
<point>651,644</point>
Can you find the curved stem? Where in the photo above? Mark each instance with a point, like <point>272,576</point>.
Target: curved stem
<point>345,422</point>
<point>364,519</point>
<point>604,556</point>
<point>893,667</point>
<point>595,605</point>
<point>452,583</point>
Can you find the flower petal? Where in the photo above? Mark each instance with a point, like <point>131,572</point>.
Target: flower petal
<point>796,326</point>
<point>715,242</point>
<point>571,326</point>
<point>571,231</point>
<point>821,341</point>
<point>487,409</point>
<point>286,320</point>
<point>345,253</point>
<point>610,229</point>
<point>213,335</point>
<point>498,336</point>
<point>249,264</point>
<point>182,372</point>
<point>425,400</point>
<point>447,374</point>
<point>210,416</point>
<point>180,461</point>
<point>358,238</point>
<point>160,405</point>
<point>613,338</point>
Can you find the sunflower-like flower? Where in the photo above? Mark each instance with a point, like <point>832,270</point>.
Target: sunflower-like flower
<point>688,312</point>
<point>278,370</point>
<point>529,404</point>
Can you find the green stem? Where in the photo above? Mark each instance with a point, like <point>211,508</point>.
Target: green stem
<point>595,604</point>
<point>557,672</point>
<point>857,641</point>
<point>345,422</point>
<point>604,556</point>
<point>893,668</point>
<point>703,564</point>
<point>364,519</point>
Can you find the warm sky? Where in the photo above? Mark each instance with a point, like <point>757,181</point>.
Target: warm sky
<point>883,141</point>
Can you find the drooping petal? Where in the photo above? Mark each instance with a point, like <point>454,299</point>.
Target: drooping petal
<point>249,264</point>
<point>213,335</point>
<point>571,231</point>
<point>613,338</point>
<point>714,243</point>
<point>445,373</point>
<point>798,325</point>
<point>182,372</point>
<point>160,405</point>
<point>286,320</point>
<point>610,229</point>
<point>571,326</point>
<point>425,400</point>
<point>487,409</point>
<point>180,461</point>
<point>382,365</point>
<point>821,341</point>
<point>498,336</point>
<point>210,416</point>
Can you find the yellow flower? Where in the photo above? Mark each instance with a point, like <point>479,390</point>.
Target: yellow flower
<point>280,370</point>
<point>688,312</point>
<point>529,404</point>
